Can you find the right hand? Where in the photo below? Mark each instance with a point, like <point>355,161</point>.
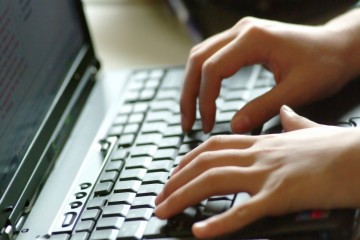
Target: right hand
<point>307,62</point>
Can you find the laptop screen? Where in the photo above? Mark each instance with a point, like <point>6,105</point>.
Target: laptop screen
<point>33,65</point>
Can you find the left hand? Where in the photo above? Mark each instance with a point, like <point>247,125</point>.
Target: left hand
<point>320,162</point>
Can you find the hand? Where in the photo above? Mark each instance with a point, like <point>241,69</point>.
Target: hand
<point>308,64</point>
<point>310,166</point>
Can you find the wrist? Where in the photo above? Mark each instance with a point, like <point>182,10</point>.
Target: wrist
<point>344,33</point>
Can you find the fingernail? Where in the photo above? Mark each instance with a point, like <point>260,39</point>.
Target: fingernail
<point>176,169</point>
<point>287,108</point>
<point>240,124</point>
<point>200,225</point>
<point>184,123</point>
<point>205,125</point>
<point>160,211</point>
<point>159,198</point>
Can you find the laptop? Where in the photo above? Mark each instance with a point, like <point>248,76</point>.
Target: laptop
<point>83,155</point>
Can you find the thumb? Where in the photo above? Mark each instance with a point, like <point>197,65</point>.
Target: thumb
<point>292,121</point>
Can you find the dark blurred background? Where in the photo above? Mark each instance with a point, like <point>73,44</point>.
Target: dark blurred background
<point>204,18</point>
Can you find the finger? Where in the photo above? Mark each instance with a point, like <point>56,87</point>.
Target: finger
<point>292,121</point>
<point>264,107</point>
<point>192,79</point>
<point>216,143</point>
<point>219,181</point>
<point>233,219</point>
<point>202,163</point>
<point>247,49</point>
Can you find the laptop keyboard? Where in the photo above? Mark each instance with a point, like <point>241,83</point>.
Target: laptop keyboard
<point>149,144</point>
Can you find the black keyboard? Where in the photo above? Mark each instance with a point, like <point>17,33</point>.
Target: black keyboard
<point>148,143</point>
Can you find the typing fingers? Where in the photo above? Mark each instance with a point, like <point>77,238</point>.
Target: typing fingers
<point>246,49</point>
<point>198,55</point>
<point>203,163</point>
<point>215,181</point>
<point>220,142</point>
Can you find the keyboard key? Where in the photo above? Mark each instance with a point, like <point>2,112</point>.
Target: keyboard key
<point>92,214</point>
<point>224,117</point>
<point>231,106</point>
<point>155,228</point>
<point>85,226</point>
<point>185,148</point>
<point>146,150</point>
<point>158,116</point>
<point>132,174</point>
<point>135,85</point>
<point>109,176</point>
<point>140,76</point>
<point>161,166</point>
<point>120,120</point>
<point>175,130</point>
<point>132,230</point>
<point>114,166</point>
<point>156,177</point>
<point>171,79</point>
<point>136,118</point>
<point>221,128</point>
<point>152,83</point>
<point>150,138</point>
<point>96,203</point>
<point>168,94</point>
<point>108,234</point>
<point>122,198</point>
<point>132,96</point>
<point>116,210</point>
<point>166,153</point>
<point>175,119</point>
<point>131,128</point>
<point>165,105</point>
<point>104,188</point>
<point>116,130</point>
<point>144,202</point>
<point>140,107</point>
<point>138,162</point>
<point>195,136</point>
<point>216,207</point>
<point>150,189</point>
<point>126,140</point>
<point>127,186</point>
<point>79,236</point>
<point>110,223</point>
<point>155,127</point>
<point>119,154</point>
<point>240,198</point>
<point>170,142</point>
<point>147,95</point>
<point>156,74</point>
<point>60,237</point>
<point>139,214</point>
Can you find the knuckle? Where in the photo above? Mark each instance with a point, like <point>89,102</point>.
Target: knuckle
<point>215,141</point>
<point>204,159</point>
<point>195,48</point>
<point>214,176</point>
<point>209,66</point>
<point>250,27</point>
<point>196,57</point>
<point>245,21</point>
<point>255,31</point>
